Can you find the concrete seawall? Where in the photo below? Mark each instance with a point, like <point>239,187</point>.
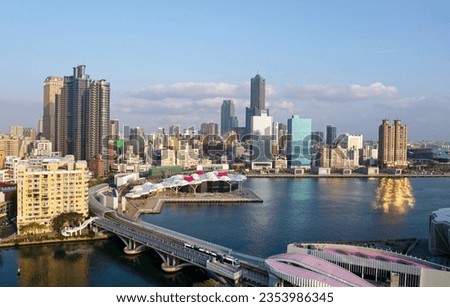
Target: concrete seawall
<point>154,205</point>
<point>34,240</point>
<point>288,175</point>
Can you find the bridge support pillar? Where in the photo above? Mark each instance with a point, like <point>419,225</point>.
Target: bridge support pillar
<point>170,264</point>
<point>132,247</point>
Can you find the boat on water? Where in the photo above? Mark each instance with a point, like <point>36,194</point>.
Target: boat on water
<point>18,271</point>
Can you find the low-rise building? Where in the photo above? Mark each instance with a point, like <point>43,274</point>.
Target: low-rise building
<point>3,207</point>
<point>339,157</point>
<point>323,171</point>
<point>368,170</point>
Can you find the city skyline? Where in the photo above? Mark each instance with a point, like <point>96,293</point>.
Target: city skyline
<point>348,65</point>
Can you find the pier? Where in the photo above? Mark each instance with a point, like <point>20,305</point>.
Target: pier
<point>154,204</point>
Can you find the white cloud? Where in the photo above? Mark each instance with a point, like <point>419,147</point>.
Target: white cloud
<point>421,103</point>
<point>339,93</point>
<point>191,90</point>
<point>283,105</point>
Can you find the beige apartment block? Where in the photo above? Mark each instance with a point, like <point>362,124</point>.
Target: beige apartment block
<point>10,145</point>
<point>59,186</point>
<point>392,144</point>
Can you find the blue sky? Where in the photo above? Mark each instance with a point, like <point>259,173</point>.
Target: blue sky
<point>347,63</point>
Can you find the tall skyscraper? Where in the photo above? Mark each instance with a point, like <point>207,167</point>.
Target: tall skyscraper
<point>228,119</point>
<point>258,92</point>
<point>52,91</point>
<point>257,100</point>
<point>392,144</point>
<point>83,117</point>
<point>331,134</point>
<point>298,149</point>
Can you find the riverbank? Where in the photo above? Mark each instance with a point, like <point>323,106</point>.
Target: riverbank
<point>154,204</point>
<point>40,240</point>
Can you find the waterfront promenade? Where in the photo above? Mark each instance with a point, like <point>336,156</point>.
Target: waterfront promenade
<point>338,175</point>
<point>154,204</point>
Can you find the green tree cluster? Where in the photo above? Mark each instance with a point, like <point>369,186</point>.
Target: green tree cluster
<point>32,228</point>
<point>67,219</point>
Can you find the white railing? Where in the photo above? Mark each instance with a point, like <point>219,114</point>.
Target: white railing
<point>68,231</point>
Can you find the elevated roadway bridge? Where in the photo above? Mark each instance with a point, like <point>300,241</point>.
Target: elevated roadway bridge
<point>178,250</point>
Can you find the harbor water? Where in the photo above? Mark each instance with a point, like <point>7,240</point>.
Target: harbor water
<point>293,210</point>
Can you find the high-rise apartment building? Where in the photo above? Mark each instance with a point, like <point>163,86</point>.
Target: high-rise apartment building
<point>228,119</point>
<point>58,186</point>
<point>115,129</point>
<point>40,127</point>
<point>10,145</point>
<point>29,133</point>
<point>52,92</point>
<point>298,149</point>
<point>209,129</point>
<point>96,117</point>
<point>83,117</point>
<point>71,129</point>
<point>16,131</point>
<point>392,144</point>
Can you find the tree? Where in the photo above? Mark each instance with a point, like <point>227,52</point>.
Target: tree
<point>32,228</point>
<point>67,219</point>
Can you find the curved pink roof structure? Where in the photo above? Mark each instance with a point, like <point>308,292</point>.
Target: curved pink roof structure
<point>381,255</point>
<point>179,181</point>
<point>307,270</point>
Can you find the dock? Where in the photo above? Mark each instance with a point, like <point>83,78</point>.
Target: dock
<point>155,204</point>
